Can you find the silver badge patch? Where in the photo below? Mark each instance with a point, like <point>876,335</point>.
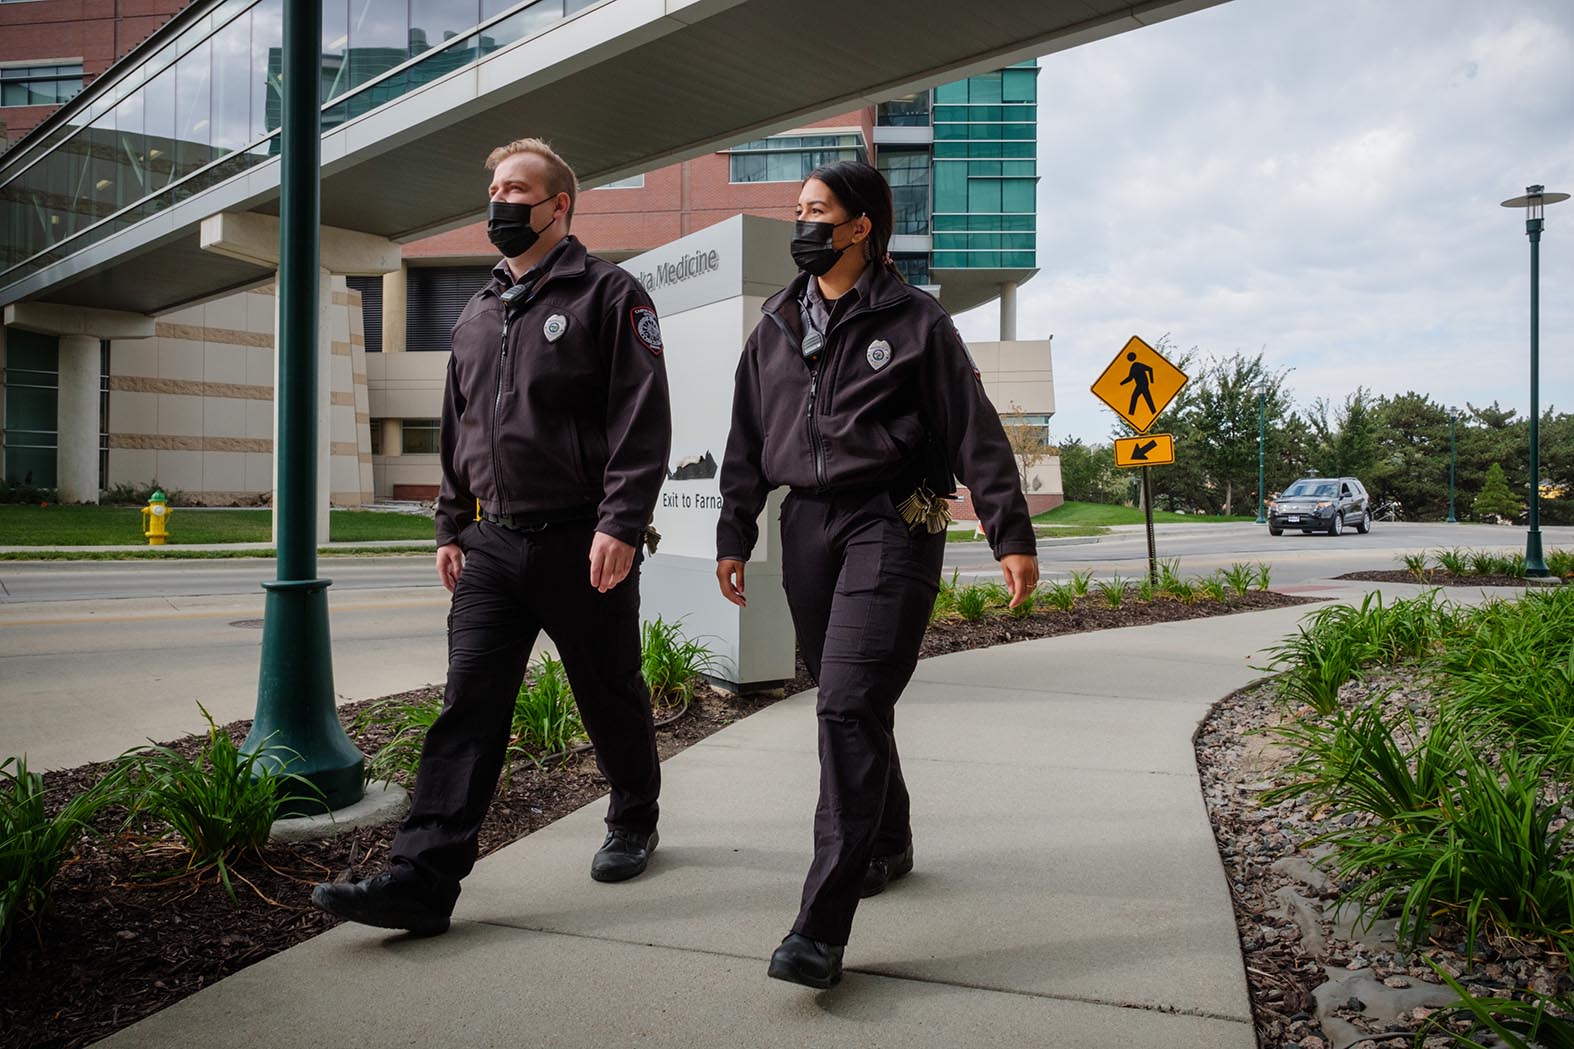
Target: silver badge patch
<point>555,326</point>
<point>879,354</point>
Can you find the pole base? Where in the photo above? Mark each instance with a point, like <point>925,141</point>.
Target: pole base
<point>297,723</point>
<point>1535,564</point>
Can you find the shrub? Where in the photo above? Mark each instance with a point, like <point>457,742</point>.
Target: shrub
<point>221,804</point>
<point>1452,561</point>
<point>34,844</point>
<point>671,663</point>
<point>1239,577</point>
<point>409,720</point>
<point>1113,591</point>
<point>545,721</point>
<point>1496,498</point>
<point>973,602</point>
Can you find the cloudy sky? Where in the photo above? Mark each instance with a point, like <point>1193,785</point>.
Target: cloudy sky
<point>1315,179</point>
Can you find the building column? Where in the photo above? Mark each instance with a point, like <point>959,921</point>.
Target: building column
<point>1008,311</point>
<point>77,419</point>
<point>393,437</point>
<point>81,331</point>
<point>254,238</point>
<point>396,297</point>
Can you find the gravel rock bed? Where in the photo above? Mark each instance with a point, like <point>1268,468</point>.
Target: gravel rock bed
<point>1318,977</point>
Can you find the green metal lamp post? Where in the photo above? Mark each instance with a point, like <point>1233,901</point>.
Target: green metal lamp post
<point>1453,419</point>
<point>297,724</point>
<point>1262,438</point>
<point>1534,200</point>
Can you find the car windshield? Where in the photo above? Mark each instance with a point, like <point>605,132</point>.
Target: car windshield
<point>1310,490</point>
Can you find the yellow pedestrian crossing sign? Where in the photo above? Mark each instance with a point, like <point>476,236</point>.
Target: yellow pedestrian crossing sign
<point>1139,384</point>
<point>1151,449</point>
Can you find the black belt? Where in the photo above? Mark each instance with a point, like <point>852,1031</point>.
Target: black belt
<point>537,522</point>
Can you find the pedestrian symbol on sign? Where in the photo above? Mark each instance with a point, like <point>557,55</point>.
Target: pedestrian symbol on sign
<point>1139,376</point>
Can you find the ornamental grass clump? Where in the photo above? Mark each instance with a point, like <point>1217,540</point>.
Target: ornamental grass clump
<point>217,806</point>
<point>973,602</point>
<point>545,721</point>
<point>1061,596</point>
<point>407,720</point>
<point>1112,591</point>
<point>35,844</point>
<point>672,664</point>
<point>1239,577</point>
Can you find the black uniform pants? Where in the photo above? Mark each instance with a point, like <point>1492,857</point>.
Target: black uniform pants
<point>861,586</point>
<point>515,584</point>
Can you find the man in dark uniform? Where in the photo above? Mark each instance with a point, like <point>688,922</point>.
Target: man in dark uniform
<point>556,419</point>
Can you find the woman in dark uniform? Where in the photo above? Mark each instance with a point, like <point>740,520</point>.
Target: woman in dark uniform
<point>856,392</point>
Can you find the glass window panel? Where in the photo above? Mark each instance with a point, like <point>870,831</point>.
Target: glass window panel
<point>193,101</point>
<point>1016,195</point>
<point>335,38</point>
<point>13,94</point>
<point>951,187</point>
<point>378,38</point>
<point>130,151</point>
<point>532,19</point>
<point>420,436</point>
<point>909,111</point>
<point>908,173</point>
<point>955,91</point>
<point>1019,85</point>
<point>984,88</point>
<point>267,42</point>
<point>158,114</point>
<point>578,5</point>
<point>434,21</point>
<point>232,86</point>
<point>983,195</point>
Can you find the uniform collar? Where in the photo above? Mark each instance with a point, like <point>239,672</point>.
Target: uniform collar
<point>876,288</point>
<point>566,259</point>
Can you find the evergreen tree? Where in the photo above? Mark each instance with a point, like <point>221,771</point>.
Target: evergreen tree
<point>1495,497</point>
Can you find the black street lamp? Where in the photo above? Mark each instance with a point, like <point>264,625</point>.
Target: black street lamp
<point>1534,200</point>
<point>1453,419</point>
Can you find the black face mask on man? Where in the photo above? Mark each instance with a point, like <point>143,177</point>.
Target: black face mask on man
<point>812,247</point>
<point>508,227</point>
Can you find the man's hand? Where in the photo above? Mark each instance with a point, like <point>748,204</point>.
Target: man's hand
<point>730,575</point>
<point>1021,572</point>
<point>450,561</point>
<point>610,561</point>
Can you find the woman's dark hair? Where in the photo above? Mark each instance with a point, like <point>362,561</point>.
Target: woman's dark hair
<point>862,190</point>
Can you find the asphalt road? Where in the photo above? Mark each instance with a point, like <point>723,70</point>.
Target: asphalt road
<point>98,656</point>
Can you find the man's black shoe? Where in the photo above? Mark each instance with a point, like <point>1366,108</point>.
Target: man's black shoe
<point>885,869</point>
<point>809,962</point>
<point>384,902</point>
<point>623,855</point>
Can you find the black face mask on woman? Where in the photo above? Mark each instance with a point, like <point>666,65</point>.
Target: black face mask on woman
<point>812,247</point>
<point>508,227</point>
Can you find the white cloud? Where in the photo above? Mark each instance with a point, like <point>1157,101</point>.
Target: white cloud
<point>1318,179</point>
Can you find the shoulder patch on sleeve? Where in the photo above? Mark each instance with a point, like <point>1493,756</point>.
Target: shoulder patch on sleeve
<point>647,328</point>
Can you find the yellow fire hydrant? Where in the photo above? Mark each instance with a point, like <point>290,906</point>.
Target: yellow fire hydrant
<point>155,518</point>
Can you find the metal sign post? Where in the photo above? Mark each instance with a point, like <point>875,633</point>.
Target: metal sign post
<point>1153,383</point>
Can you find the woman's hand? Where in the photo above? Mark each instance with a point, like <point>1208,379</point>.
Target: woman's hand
<point>729,574</point>
<point>1021,572</point>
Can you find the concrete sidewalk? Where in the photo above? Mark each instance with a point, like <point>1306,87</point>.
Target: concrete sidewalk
<point>1068,891</point>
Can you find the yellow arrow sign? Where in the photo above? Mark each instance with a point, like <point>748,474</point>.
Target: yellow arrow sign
<point>1153,449</point>
<point>1139,384</point>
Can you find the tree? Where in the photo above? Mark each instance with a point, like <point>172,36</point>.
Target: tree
<point>1412,455</point>
<point>1224,418</point>
<point>1495,498</point>
<point>1087,472</point>
<point>1029,445</point>
<point>1345,438</point>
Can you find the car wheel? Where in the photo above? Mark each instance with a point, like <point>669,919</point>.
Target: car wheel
<point>1275,531</point>
<point>1336,526</point>
<point>1366,522</point>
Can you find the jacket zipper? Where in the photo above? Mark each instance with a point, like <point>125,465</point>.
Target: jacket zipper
<point>497,411</point>
<point>816,442</point>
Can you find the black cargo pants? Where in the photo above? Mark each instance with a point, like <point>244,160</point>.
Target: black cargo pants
<point>860,585</point>
<point>514,585</point>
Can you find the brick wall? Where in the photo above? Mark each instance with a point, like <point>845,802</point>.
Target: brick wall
<point>96,31</point>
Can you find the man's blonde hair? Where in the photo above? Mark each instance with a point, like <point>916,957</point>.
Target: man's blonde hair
<point>560,177</point>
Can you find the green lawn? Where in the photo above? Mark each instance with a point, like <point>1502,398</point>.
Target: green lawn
<point>1042,531</point>
<point>117,525</point>
<point>1070,513</point>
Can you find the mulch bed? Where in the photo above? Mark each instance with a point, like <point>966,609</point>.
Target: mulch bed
<point>1433,578</point>
<point>1316,980</point>
<point>122,939</point>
